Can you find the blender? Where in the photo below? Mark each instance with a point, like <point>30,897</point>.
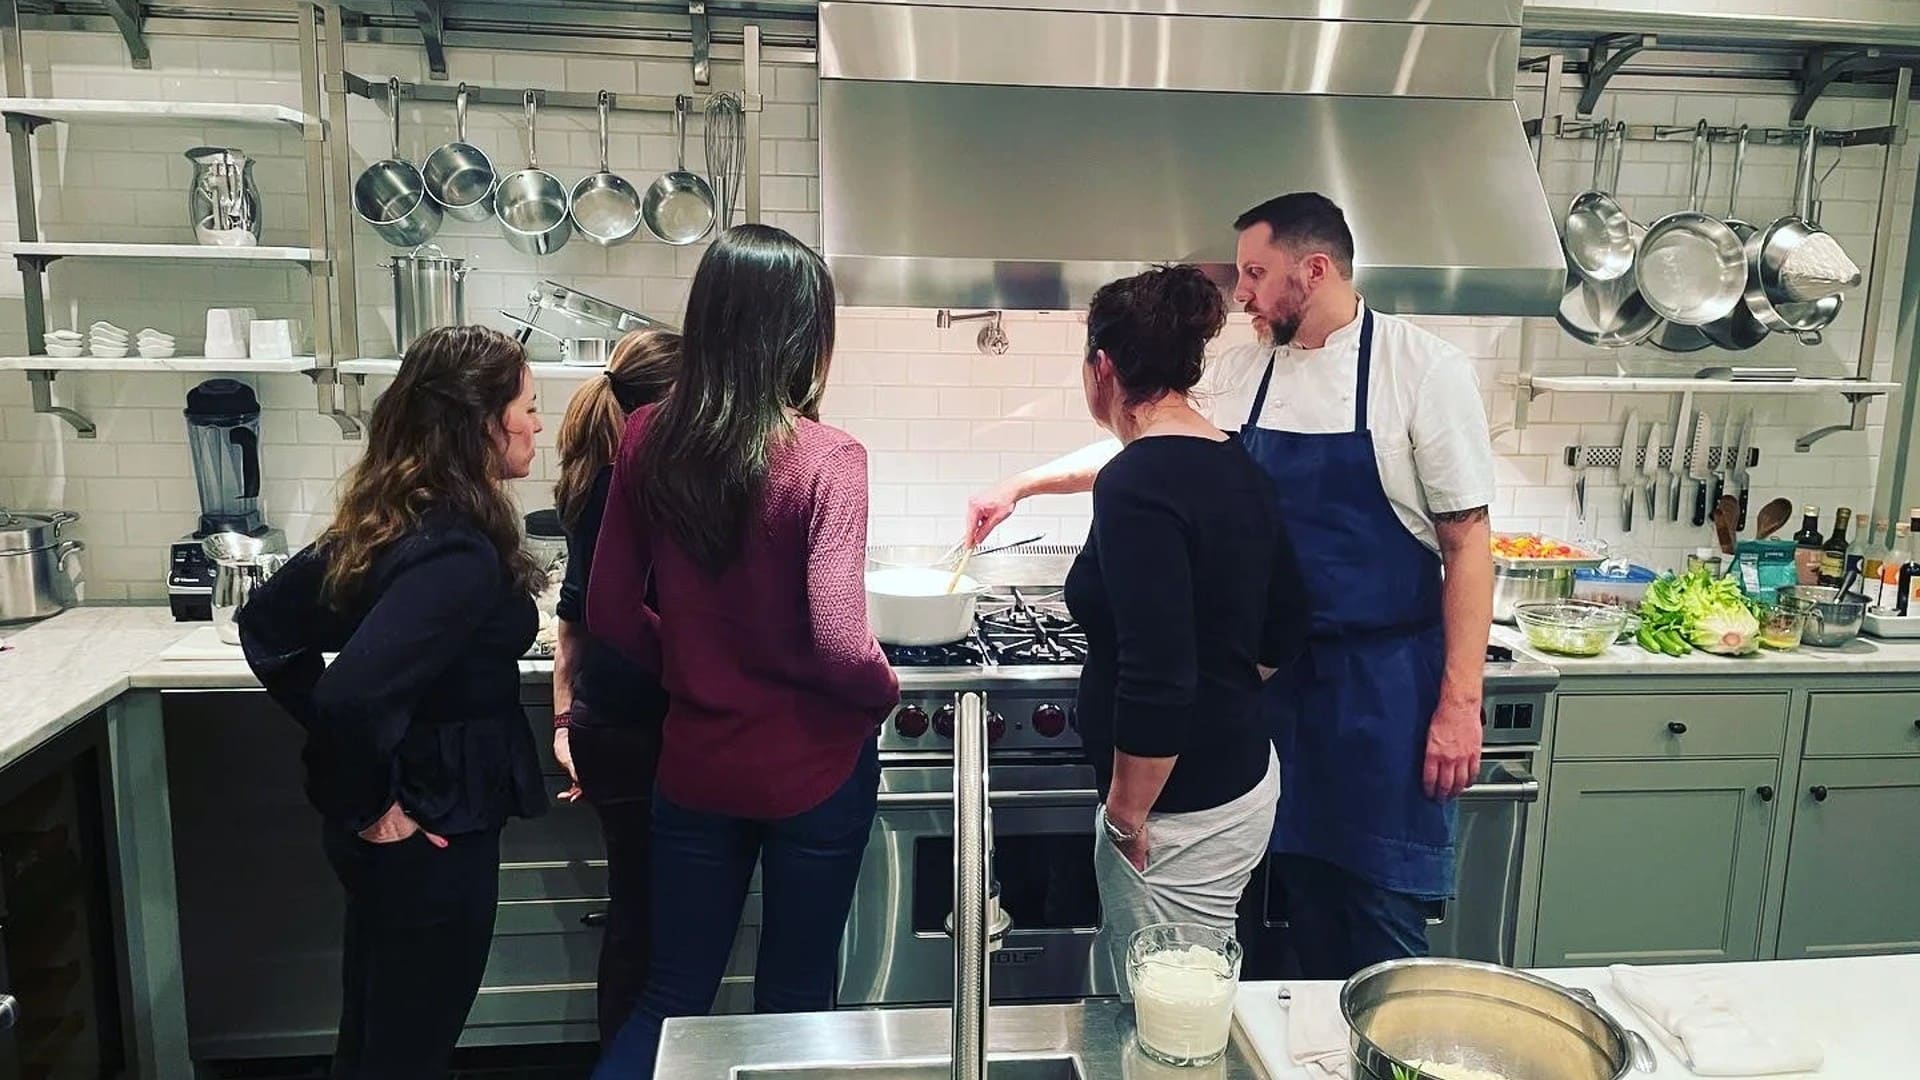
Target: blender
<point>223,438</point>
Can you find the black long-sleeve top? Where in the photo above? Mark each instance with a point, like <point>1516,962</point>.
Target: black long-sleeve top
<point>422,703</point>
<point>607,687</point>
<point>1186,582</point>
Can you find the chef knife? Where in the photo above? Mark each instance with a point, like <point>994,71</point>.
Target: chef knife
<point>1677,457</point>
<point>1650,469</point>
<point>1697,468</point>
<point>1726,455</point>
<point>1629,437</point>
<point>1740,467</point>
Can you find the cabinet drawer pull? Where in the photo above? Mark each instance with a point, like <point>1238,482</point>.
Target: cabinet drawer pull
<point>1766,792</point>
<point>594,918</point>
<point>1819,792</point>
<point>1676,727</point>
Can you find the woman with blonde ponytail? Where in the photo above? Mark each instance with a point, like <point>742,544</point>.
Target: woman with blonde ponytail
<point>608,712</point>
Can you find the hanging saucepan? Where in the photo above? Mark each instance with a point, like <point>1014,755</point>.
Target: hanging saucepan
<point>606,208</point>
<point>1692,268</point>
<point>1598,234</point>
<point>678,206</point>
<point>532,203</point>
<point>1767,251</point>
<point>1739,331</point>
<point>459,175</point>
<point>1607,313</point>
<point>391,195</point>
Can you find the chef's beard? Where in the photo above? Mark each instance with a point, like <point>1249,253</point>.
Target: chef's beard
<point>1276,333</point>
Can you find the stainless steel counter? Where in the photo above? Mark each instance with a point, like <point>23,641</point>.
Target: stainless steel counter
<point>1028,1042</point>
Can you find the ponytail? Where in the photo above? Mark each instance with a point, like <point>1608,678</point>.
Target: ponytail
<point>640,372</point>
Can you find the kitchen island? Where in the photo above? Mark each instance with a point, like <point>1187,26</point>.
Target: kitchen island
<point>1775,823</point>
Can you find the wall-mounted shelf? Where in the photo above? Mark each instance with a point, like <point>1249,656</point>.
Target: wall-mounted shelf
<point>379,367</point>
<point>1653,384</point>
<point>290,366</point>
<point>74,110</point>
<point>48,251</point>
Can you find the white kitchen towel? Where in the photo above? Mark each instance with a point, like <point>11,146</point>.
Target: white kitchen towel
<point>1302,1031</point>
<point>1692,1014</point>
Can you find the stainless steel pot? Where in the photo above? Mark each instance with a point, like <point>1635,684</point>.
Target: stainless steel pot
<point>429,290</point>
<point>1516,585</point>
<point>391,195</point>
<point>911,606</point>
<point>459,176</point>
<point>532,204</point>
<point>38,574</point>
<point>233,583</point>
<point>1832,621</point>
<point>1402,1014</point>
<point>581,350</point>
<point>1692,268</point>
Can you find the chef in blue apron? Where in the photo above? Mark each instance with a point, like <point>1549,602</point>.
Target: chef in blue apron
<point>1376,437</point>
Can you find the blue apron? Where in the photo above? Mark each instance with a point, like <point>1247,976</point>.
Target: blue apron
<point>1350,718</point>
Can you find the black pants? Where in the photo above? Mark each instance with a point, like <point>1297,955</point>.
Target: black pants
<point>616,764</point>
<point>418,928</point>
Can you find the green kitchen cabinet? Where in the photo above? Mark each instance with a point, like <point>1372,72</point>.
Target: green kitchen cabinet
<point>1853,861</point>
<point>1655,861</point>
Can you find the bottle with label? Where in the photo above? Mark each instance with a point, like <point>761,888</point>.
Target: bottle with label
<point>1833,555</point>
<point>1890,567</point>
<point>1910,573</point>
<point>1806,546</point>
<point>1872,558</point>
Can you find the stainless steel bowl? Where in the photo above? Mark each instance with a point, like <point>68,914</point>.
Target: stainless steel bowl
<point>1405,1013</point>
<point>1832,621</point>
<point>1516,585</point>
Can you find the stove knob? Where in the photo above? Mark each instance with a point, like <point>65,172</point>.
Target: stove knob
<point>943,721</point>
<point>996,727</point>
<point>910,721</point>
<point>1049,720</point>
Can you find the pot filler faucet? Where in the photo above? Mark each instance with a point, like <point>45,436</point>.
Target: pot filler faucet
<point>977,924</point>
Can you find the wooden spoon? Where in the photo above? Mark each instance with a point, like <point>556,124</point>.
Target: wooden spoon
<point>1725,513</point>
<point>1772,516</point>
<point>967,556</point>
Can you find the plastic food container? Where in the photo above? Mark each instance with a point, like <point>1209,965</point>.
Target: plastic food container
<point>1570,627</point>
<point>1617,583</point>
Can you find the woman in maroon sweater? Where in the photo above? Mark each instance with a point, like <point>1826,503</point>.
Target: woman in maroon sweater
<point>749,517</point>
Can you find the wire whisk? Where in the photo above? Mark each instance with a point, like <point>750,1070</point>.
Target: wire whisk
<point>726,152</point>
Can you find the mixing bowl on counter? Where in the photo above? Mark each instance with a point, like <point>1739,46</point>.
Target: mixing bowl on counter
<point>1443,1019</point>
<point>1531,568</point>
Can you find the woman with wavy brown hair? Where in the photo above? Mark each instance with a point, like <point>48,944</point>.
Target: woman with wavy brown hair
<point>608,710</point>
<point>417,749</point>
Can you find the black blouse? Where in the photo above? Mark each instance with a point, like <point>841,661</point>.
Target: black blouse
<point>422,704</point>
<point>607,687</point>
<point>1185,584</point>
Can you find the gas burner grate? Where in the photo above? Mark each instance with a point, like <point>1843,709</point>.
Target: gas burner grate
<point>1023,632</point>
<point>957,654</point>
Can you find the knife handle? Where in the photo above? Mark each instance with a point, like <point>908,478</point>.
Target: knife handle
<point>1719,489</point>
<point>1700,504</point>
<point>1741,523</point>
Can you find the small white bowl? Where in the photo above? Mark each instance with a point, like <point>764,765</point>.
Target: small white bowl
<point>150,334</point>
<point>104,353</point>
<point>65,352</point>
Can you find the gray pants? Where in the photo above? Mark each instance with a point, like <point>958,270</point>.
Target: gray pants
<point>1198,864</point>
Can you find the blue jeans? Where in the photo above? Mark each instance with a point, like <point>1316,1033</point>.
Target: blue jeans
<point>702,867</point>
<point>1340,924</point>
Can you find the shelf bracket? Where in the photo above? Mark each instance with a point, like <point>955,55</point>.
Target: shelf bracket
<point>1819,70</point>
<point>431,16</point>
<point>1605,57</point>
<point>42,384</point>
<point>702,42</point>
<point>131,17</point>
<point>338,400</point>
<point>1857,421</point>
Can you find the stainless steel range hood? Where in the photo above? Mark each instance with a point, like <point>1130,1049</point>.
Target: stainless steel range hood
<point>980,154</point>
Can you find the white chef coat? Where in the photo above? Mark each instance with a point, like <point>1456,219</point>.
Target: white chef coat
<point>1429,424</point>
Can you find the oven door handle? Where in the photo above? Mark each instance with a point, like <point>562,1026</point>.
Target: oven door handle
<point>1506,782</point>
<point>941,800</point>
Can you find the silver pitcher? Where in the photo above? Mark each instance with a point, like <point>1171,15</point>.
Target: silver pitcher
<point>223,203</point>
<point>241,564</point>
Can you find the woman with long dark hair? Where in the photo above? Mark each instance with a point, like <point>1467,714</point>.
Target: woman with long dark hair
<point>749,518</point>
<point>417,749</point>
<point>607,710</point>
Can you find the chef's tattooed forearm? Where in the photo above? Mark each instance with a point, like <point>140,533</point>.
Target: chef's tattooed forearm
<point>1462,517</point>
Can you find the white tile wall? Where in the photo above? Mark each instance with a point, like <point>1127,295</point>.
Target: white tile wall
<point>939,419</point>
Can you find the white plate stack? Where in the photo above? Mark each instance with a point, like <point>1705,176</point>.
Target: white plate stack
<point>153,344</point>
<point>66,344</point>
<point>106,341</point>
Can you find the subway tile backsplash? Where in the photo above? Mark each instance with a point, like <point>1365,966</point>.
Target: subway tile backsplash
<point>939,418</point>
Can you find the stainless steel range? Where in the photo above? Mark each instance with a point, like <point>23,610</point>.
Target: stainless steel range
<point>1024,660</point>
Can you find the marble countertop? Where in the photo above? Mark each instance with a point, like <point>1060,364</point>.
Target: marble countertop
<point>55,673</point>
<point>1861,655</point>
<point>1858,1008</point>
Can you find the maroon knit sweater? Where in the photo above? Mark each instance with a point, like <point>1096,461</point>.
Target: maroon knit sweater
<point>776,680</point>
